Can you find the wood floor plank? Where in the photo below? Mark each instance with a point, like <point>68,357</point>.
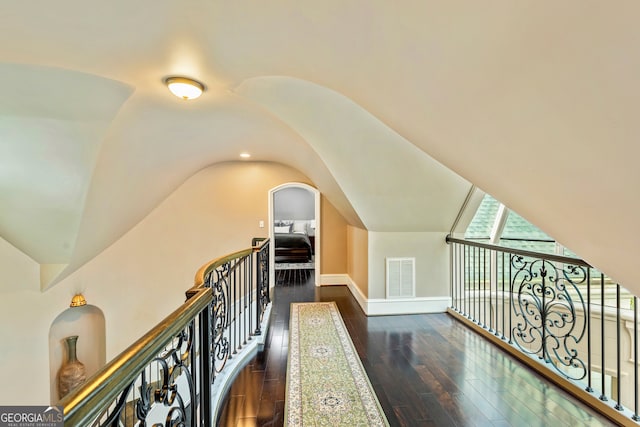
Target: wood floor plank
<point>427,370</point>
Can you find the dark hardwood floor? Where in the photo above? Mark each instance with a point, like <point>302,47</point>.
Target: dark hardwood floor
<point>427,370</point>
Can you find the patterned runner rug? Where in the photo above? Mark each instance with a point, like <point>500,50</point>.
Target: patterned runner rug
<point>294,265</point>
<point>326,383</point>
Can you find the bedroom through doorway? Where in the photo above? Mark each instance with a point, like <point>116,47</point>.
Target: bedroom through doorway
<point>294,225</point>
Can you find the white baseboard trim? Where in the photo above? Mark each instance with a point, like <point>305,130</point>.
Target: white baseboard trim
<point>382,306</point>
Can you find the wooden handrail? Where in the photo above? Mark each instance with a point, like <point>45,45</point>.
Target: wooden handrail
<point>212,265</point>
<point>114,381</point>
<point>549,257</point>
<point>87,402</point>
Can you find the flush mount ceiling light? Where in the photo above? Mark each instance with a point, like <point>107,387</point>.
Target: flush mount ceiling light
<point>184,88</point>
<point>245,155</point>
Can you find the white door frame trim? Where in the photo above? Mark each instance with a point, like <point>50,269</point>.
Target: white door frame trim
<point>316,248</point>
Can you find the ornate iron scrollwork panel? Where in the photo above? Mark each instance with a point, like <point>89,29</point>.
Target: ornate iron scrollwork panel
<point>167,382</point>
<point>172,365</point>
<point>547,321</point>
<point>263,285</point>
<point>220,316</point>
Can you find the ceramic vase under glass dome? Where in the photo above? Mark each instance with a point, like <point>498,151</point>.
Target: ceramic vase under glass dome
<point>72,373</point>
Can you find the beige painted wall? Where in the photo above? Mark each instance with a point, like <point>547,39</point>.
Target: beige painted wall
<point>142,277</point>
<point>333,251</point>
<point>17,271</point>
<point>21,308</point>
<point>358,258</point>
<point>432,261</point>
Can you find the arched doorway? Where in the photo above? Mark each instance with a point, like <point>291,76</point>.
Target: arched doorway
<point>294,208</point>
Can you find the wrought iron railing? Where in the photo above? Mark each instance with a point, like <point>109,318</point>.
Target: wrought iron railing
<point>557,314</point>
<point>237,309</point>
<point>168,377</point>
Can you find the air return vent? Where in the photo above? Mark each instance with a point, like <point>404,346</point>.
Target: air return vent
<point>401,277</point>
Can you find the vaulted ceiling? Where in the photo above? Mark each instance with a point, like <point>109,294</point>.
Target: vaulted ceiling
<point>390,108</point>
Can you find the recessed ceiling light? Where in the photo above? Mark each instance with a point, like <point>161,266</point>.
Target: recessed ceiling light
<point>184,88</point>
<point>245,155</point>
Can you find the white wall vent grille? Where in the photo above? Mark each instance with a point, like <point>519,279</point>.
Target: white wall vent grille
<point>401,277</point>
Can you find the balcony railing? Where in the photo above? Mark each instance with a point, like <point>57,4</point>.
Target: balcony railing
<point>176,374</point>
<point>558,315</point>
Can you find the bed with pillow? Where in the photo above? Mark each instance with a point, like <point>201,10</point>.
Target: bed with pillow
<point>291,241</point>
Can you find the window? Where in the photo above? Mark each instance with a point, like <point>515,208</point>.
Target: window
<point>512,230</point>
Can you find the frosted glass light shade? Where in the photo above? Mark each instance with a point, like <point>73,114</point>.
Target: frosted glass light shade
<point>184,88</point>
